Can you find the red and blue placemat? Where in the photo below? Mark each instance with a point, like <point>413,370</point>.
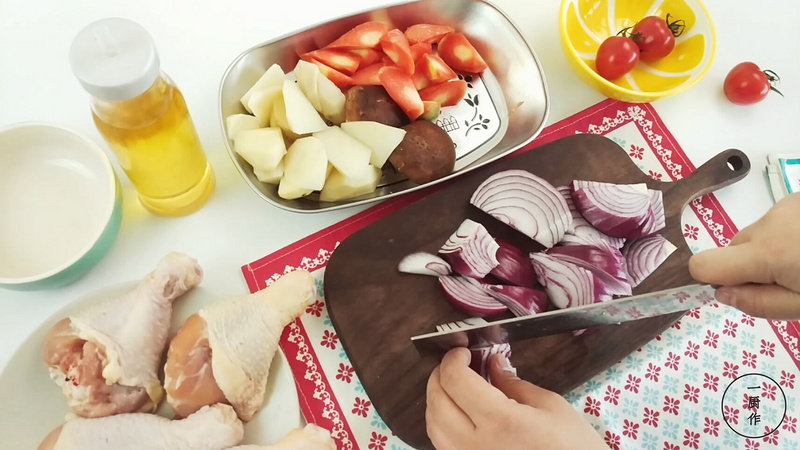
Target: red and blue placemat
<point>716,379</point>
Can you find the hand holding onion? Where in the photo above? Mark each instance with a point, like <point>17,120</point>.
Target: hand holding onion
<point>758,271</point>
<point>464,411</point>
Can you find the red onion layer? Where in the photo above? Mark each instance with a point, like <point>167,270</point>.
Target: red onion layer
<point>525,202</point>
<point>468,296</point>
<point>603,260</point>
<point>644,255</point>
<point>520,300</point>
<point>480,357</point>
<point>658,221</point>
<point>513,266</point>
<point>471,250</point>
<point>566,284</point>
<point>618,210</point>
<point>582,231</point>
<point>423,263</point>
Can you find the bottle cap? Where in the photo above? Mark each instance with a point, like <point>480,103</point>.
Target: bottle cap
<point>114,59</point>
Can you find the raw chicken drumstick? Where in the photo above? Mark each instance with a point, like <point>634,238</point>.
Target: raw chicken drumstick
<point>212,427</point>
<point>223,353</point>
<point>310,437</point>
<point>106,357</point>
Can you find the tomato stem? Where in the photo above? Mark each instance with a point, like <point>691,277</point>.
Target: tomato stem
<point>677,26</point>
<point>626,32</point>
<point>773,78</point>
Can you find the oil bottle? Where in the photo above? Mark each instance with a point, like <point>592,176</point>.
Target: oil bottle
<point>142,115</point>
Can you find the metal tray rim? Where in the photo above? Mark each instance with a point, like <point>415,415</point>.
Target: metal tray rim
<point>348,204</point>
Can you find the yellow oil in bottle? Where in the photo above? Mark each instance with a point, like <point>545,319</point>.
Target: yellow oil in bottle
<point>157,146</point>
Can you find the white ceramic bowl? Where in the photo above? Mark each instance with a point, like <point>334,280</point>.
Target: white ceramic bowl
<point>60,202</point>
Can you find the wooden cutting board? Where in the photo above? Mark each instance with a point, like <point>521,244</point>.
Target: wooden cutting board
<point>375,309</point>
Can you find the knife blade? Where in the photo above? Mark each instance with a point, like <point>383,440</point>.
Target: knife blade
<point>476,332</point>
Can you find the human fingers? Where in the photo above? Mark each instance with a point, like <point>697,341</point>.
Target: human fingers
<point>762,300</point>
<point>504,377</point>
<point>444,420</point>
<point>744,235</point>
<point>730,266</point>
<point>468,390</point>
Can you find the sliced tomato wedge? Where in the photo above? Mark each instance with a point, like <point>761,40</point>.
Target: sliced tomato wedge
<point>338,78</point>
<point>367,56</point>
<point>400,88</point>
<point>419,49</point>
<point>341,60</point>
<point>436,70</point>
<point>459,54</point>
<point>369,74</point>
<point>446,94</point>
<point>426,32</point>
<point>365,35</point>
<point>395,46</point>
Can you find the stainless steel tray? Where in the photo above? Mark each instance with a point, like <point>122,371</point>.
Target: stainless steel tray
<point>512,99</point>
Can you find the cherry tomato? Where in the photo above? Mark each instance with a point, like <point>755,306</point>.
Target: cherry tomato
<point>655,37</point>
<point>616,56</point>
<point>746,83</point>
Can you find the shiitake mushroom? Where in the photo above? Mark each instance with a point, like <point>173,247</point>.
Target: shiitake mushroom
<point>368,102</point>
<point>425,153</point>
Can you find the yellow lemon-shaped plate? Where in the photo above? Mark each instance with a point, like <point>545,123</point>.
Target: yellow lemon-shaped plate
<point>584,24</point>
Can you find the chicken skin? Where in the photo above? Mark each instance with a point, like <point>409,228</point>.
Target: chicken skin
<point>211,427</point>
<point>106,358</point>
<point>223,353</point>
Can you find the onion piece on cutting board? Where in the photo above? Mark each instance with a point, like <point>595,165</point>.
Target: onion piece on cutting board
<point>480,357</point>
<point>520,300</point>
<point>468,296</point>
<point>644,255</point>
<point>424,263</point>
<point>525,202</point>
<point>470,250</point>
<point>618,210</point>
<point>602,259</point>
<point>582,231</point>
<point>657,206</point>
<point>566,284</point>
<point>514,266</point>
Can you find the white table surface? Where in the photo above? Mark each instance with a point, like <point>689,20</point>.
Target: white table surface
<point>197,39</point>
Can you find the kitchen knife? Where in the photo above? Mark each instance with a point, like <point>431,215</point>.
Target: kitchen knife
<point>476,332</point>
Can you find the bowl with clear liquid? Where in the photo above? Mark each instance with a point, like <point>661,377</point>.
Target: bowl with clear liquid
<point>61,204</point>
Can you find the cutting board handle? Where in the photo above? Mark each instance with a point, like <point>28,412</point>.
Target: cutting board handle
<point>724,169</point>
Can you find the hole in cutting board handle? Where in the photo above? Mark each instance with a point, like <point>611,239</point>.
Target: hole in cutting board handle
<point>735,163</point>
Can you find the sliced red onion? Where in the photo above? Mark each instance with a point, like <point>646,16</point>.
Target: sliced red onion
<point>603,260</point>
<point>644,255</point>
<point>513,266</point>
<point>618,210</point>
<point>526,203</point>
<point>566,284</point>
<point>471,250</point>
<point>658,221</point>
<point>520,300</point>
<point>582,231</point>
<point>480,358</point>
<point>424,263</point>
<point>467,295</point>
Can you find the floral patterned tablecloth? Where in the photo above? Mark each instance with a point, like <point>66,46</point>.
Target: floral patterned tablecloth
<point>716,379</point>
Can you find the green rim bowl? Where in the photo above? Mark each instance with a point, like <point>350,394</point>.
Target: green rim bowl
<point>60,206</point>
